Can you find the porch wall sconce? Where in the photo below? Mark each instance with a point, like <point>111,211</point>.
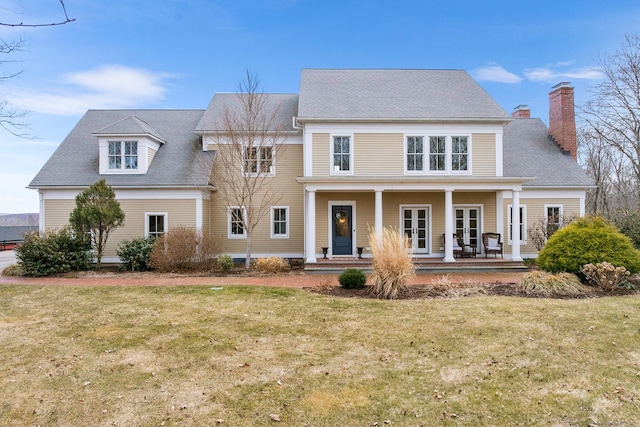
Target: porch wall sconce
<point>360,249</point>
<point>324,252</point>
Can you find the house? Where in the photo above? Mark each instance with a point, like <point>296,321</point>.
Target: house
<point>426,151</point>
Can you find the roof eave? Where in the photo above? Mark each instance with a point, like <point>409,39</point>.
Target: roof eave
<point>502,120</point>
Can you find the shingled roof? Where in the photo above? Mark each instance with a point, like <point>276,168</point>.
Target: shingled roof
<point>284,105</point>
<point>528,151</point>
<point>179,162</point>
<point>394,94</point>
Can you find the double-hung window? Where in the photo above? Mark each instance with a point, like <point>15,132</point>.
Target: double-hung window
<point>459,153</point>
<point>437,153</point>
<point>415,153</point>
<point>258,160</point>
<point>236,217</point>
<point>523,221</point>
<point>341,153</point>
<point>155,224</point>
<point>553,219</point>
<point>123,155</point>
<point>279,222</point>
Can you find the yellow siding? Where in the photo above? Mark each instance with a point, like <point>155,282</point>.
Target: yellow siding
<point>378,154</point>
<point>56,213</point>
<point>151,153</point>
<point>535,212</point>
<point>321,154</point>
<point>483,154</point>
<point>289,193</point>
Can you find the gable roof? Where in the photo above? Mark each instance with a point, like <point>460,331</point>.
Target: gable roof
<point>180,162</point>
<point>130,125</point>
<point>284,105</point>
<point>394,94</point>
<point>529,151</point>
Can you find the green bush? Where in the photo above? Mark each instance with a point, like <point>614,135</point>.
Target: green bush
<point>352,278</point>
<point>225,262</point>
<point>54,252</point>
<point>136,253</point>
<point>588,240</point>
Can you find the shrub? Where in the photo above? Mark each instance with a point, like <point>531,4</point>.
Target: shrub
<point>393,268</point>
<point>13,270</point>
<point>605,275</point>
<point>273,264</point>
<point>183,248</point>
<point>57,251</point>
<point>546,284</point>
<point>136,253</point>
<point>225,262</point>
<point>588,240</point>
<point>352,278</point>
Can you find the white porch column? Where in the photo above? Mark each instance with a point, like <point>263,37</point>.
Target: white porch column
<point>515,226</point>
<point>310,227</point>
<point>448,226</point>
<point>378,217</point>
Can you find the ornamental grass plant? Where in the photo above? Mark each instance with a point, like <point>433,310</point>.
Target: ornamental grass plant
<point>393,267</point>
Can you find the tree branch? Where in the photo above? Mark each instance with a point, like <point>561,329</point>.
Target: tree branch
<point>66,20</point>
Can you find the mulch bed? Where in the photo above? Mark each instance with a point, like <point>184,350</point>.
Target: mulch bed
<point>429,291</point>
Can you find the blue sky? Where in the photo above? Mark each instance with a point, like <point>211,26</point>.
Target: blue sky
<point>177,53</point>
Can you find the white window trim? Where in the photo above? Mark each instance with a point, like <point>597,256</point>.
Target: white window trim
<point>259,148</point>
<point>280,236</point>
<point>448,154</point>
<point>230,235</point>
<point>122,156</point>
<point>406,154</point>
<point>546,212</point>
<point>331,153</point>
<point>144,145</point>
<point>523,234</point>
<point>146,221</point>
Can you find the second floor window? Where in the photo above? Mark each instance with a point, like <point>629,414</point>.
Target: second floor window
<point>258,160</point>
<point>341,154</point>
<point>437,153</point>
<point>415,153</point>
<point>123,154</point>
<point>459,153</point>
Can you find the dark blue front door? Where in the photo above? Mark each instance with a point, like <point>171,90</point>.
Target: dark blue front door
<point>342,233</point>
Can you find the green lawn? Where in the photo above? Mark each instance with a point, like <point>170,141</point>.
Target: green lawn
<point>123,356</point>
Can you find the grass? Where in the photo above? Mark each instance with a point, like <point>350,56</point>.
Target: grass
<point>244,356</point>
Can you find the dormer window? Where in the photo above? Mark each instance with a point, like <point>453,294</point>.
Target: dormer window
<point>123,155</point>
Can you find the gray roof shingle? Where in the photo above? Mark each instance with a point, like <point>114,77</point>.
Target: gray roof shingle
<point>394,94</point>
<point>130,125</point>
<point>528,151</point>
<point>284,105</point>
<point>179,162</point>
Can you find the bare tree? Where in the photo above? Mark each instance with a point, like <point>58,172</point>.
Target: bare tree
<point>612,115</point>
<point>66,20</point>
<point>249,135</point>
<point>11,120</point>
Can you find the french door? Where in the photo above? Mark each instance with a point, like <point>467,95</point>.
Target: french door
<point>415,225</point>
<point>467,222</point>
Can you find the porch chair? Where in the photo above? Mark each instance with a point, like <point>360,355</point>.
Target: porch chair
<point>492,244</point>
<point>458,245</point>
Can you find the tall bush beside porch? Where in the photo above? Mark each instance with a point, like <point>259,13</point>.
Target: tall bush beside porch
<point>393,268</point>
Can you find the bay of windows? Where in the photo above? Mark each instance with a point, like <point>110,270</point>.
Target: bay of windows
<point>444,154</point>
<point>123,154</point>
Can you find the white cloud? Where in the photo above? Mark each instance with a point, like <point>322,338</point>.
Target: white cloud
<point>108,86</point>
<point>550,75</point>
<point>495,73</point>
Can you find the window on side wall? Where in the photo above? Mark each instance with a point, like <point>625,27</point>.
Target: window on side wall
<point>553,219</point>
<point>123,155</point>
<point>258,160</point>
<point>341,154</point>
<point>155,224</point>
<point>280,222</point>
<point>523,221</point>
<point>437,153</point>
<point>459,153</point>
<point>236,216</point>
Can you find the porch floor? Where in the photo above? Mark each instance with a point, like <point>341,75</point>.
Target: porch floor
<point>423,265</point>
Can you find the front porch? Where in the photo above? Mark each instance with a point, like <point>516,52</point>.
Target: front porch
<point>423,265</point>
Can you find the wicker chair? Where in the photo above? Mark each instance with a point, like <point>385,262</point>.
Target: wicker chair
<point>458,245</point>
<point>492,244</point>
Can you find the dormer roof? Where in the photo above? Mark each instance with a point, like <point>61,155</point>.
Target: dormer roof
<point>130,125</point>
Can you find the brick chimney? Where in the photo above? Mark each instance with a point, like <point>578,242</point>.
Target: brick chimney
<point>522,111</point>
<point>562,118</point>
